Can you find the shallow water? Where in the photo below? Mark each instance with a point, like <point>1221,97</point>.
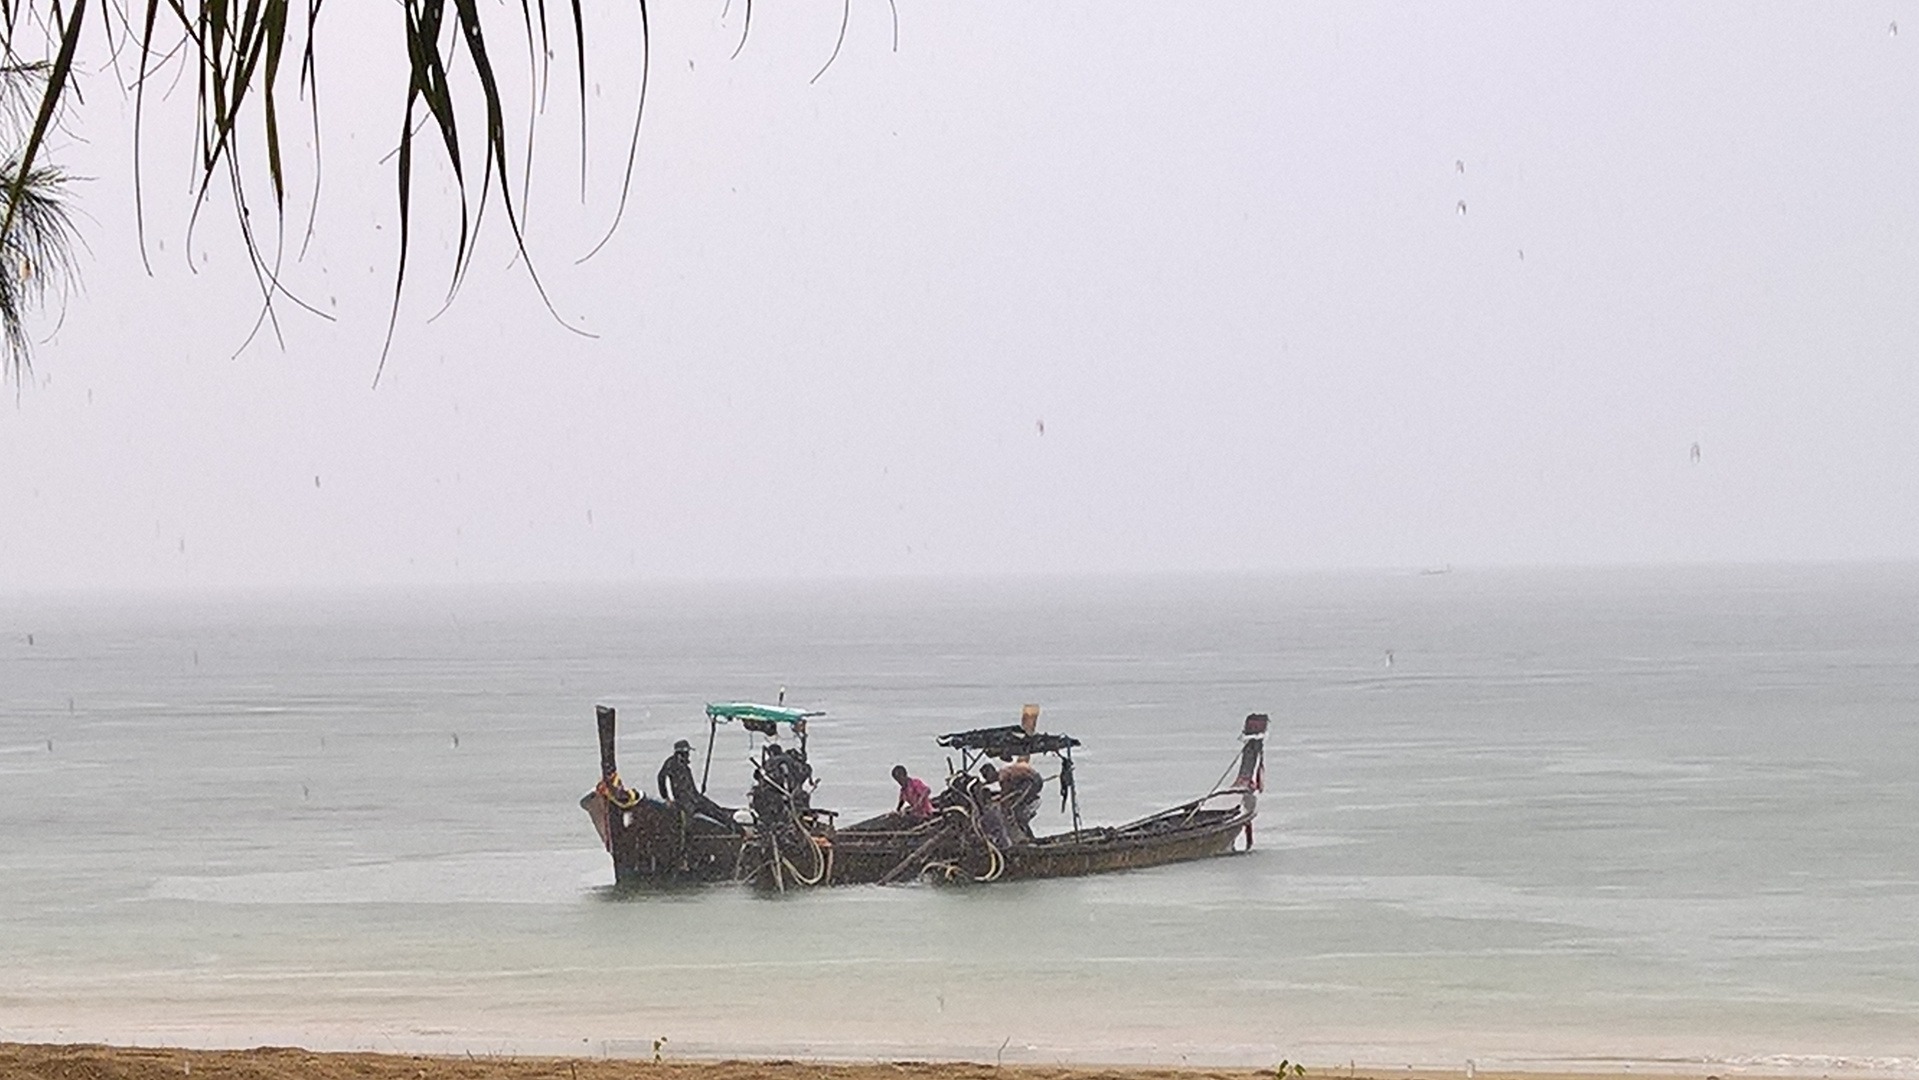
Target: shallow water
<point>1631,814</point>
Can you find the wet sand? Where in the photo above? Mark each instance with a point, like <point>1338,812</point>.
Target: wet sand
<point>43,1061</point>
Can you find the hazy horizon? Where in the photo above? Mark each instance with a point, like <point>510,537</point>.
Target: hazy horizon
<point>1080,583</point>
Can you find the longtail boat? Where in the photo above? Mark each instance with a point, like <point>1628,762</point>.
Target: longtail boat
<point>660,841</point>
<point>974,833</point>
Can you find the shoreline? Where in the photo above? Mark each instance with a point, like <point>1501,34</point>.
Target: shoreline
<point>97,1061</point>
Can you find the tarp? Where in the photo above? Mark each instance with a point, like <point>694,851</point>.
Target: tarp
<point>746,710</point>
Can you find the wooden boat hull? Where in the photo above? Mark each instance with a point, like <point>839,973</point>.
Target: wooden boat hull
<point>1070,856</point>
<point>947,850</point>
<point>651,842</point>
<point>651,846</point>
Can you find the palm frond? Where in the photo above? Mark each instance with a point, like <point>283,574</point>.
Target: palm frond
<point>36,257</point>
<point>238,52</point>
<point>36,248</point>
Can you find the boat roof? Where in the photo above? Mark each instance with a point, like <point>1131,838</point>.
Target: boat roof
<point>1009,741</point>
<point>746,710</point>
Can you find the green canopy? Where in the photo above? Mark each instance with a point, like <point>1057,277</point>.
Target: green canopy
<point>746,710</point>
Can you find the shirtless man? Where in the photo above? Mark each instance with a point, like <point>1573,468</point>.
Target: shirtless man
<point>1019,790</point>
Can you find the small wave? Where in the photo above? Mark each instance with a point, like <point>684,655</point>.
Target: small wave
<point>543,877</point>
<point>1825,1063</point>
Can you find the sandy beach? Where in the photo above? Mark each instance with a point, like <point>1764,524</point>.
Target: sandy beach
<point>43,1061</point>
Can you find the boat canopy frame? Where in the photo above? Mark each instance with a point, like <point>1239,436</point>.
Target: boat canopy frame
<point>763,719</point>
<point>1016,741</point>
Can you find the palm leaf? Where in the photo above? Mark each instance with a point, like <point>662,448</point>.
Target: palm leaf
<point>69,28</point>
<point>35,258</point>
<point>238,51</point>
<point>36,246</point>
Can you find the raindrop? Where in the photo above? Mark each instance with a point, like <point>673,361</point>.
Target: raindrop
<point>1459,166</point>
<point>1892,28</point>
<point>1462,208</point>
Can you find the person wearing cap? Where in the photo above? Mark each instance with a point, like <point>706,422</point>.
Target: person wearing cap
<point>678,787</point>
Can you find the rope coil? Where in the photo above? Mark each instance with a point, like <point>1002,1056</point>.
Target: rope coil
<point>617,793</point>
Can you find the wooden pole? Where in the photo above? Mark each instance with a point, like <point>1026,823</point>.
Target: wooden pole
<point>712,733</point>
<point>607,768</point>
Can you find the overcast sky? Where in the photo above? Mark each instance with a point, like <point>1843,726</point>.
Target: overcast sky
<point>1051,288</point>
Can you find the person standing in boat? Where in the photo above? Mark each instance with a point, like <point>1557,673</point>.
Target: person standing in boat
<point>785,774</point>
<point>986,808</point>
<point>916,799</point>
<point>678,787</point>
<point>1020,786</point>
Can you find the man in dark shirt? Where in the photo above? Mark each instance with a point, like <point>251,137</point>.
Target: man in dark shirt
<point>782,782</point>
<point>678,787</point>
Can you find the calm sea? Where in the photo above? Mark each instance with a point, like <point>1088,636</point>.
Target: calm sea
<point>1517,818</point>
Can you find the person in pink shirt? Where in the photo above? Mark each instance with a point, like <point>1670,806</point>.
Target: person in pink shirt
<point>916,799</point>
